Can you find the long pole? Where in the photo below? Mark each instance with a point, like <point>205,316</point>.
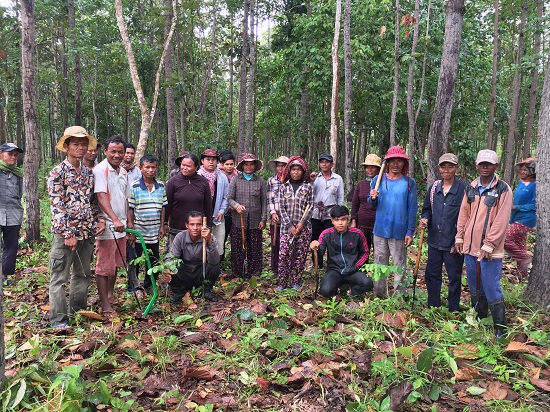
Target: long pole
<point>417,264</point>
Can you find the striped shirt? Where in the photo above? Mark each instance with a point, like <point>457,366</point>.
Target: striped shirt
<point>147,206</point>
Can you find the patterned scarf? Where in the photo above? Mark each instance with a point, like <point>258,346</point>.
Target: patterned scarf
<point>128,166</point>
<point>211,177</point>
<point>4,167</point>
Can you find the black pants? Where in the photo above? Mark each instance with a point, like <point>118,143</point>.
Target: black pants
<point>133,252</point>
<point>10,244</point>
<point>359,282</point>
<point>433,277</point>
<point>228,219</point>
<point>189,275</point>
<point>317,226</point>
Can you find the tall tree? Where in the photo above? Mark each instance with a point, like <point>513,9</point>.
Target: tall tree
<point>77,76</point>
<point>538,287</point>
<point>335,83</point>
<point>440,124</point>
<point>147,115</point>
<point>242,88</point>
<point>410,86</point>
<point>397,31</point>
<point>170,102</point>
<point>348,137</point>
<point>248,140</point>
<point>516,100</point>
<point>491,138</point>
<point>30,174</point>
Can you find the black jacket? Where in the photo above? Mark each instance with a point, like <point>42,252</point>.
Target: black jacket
<point>346,252</point>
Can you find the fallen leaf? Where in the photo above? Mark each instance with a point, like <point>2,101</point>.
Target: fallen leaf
<point>382,30</point>
<point>203,373</point>
<point>468,374</point>
<point>262,383</point>
<point>541,384</point>
<point>534,373</point>
<point>399,393</point>
<point>495,391</point>
<point>475,390</point>
<point>90,314</point>
<point>45,307</point>
<point>244,295</point>
<point>396,320</point>
<point>466,351</point>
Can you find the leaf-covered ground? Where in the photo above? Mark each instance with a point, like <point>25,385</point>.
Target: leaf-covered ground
<point>258,349</point>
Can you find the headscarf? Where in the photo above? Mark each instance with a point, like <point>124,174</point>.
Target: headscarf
<point>293,161</point>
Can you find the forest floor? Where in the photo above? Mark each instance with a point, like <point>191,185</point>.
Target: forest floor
<point>257,349</point>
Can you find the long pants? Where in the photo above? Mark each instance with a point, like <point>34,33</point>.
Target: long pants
<point>489,279</point>
<point>433,277</point>
<point>189,275</point>
<point>292,258</point>
<point>359,282</point>
<point>317,227</point>
<point>383,248</point>
<point>253,253</point>
<point>516,245</point>
<point>368,235</point>
<point>10,242</point>
<point>154,257</point>
<point>228,223</point>
<point>218,231</point>
<point>62,260</point>
<point>275,246</point>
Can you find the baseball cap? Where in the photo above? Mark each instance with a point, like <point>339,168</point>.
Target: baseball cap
<point>448,158</point>
<point>9,147</point>
<point>486,155</point>
<point>326,156</point>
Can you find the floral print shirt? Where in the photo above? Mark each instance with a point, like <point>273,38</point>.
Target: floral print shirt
<point>75,211</point>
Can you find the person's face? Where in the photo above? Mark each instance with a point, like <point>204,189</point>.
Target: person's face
<point>325,165</point>
<point>77,147</point>
<point>129,155</point>
<point>229,166</point>
<point>447,170</point>
<point>187,167</point>
<point>522,173</point>
<point>249,167</point>
<point>210,163</point>
<point>280,166</point>
<point>149,169</point>
<point>9,157</point>
<point>486,169</point>
<point>91,155</point>
<point>194,226</point>
<point>296,172</point>
<point>340,223</point>
<point>114,153</point>
<point>395,165</point>
<point>371,171</point>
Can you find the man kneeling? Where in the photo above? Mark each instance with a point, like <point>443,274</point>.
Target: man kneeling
<point>187,246</point>
<point>347,251</point>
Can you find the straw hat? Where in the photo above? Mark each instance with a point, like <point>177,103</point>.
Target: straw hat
<point>272,164</point>
<point>249,157</point>
<point>372,160</point>
<point>76,131</point>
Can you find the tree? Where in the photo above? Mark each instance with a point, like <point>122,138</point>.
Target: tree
<point>146,115</point>
<point>410,85</point>
<point>242,85</point>
<point>77,76</point>
<point>30,174</point>
<point>335,83</point>
<point>397,33</point>
<point>348,137</point>
<point>248,140</point>
<point>491,138</point>
<point>170,103</point>
<point>440,124</point>
<point>538,287</point>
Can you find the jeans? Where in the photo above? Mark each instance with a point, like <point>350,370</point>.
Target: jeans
<point>490,274</point>
<point>62,259</point>
<point>433,277</point>
<point>359,281</point>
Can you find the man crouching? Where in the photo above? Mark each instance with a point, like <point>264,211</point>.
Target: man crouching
<point>347,251</point>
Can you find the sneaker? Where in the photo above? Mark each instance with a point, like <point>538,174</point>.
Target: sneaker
<point>208,295</point>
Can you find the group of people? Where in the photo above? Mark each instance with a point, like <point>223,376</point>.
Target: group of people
<point>213,196</point>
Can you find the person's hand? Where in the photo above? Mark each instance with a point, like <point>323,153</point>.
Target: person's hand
<point>161,232</point>
<point>374,194</point>
<point>313,175</point>
<point>483,254</point>
<point>458,248</point>
<point>453,250</point>
<point>240,209</point>
<point>353,224</point>
<point>408,241</point>
<point>299,228</point>
<point>261,226</point>
<point>130,237</point>
<point>314,245</point>
<point>100,228</point>
<point>71,243</point>
<point>206,234</point>
<point>513,207</point>
<point>118,226</point>
<point>293,231</point>
<point>219,216</point>
<point>275,218</point>
<point>423,223</point>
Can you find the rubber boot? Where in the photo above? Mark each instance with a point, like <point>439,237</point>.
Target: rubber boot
<point>480,304</point>
<point>498,311</point>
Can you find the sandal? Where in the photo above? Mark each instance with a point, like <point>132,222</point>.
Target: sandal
<point>60,326</point>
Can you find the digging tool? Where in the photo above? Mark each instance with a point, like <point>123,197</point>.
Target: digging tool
<point>203,259</point>
<point>316,263</point>
<point>417,264</point>
<point>274,238</point>
<point>301,220</point>
<point>382,169</point>
<point>241,215</point>
<point>123,258</point>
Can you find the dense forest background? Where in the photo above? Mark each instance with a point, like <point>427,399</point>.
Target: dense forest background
<point>258,75</point>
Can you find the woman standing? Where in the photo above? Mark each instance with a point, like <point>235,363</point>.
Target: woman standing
<point>277,166</point>
<point>362,213</point>
<point>227,166</point>
<point>524,217</point>
<point>295,204</point>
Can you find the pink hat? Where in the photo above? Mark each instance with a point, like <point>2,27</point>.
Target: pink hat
<point>209,153</point>
<point>399,153</point>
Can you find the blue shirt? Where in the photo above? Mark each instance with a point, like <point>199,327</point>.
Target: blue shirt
<point>396,207</point>
<point>525,198</point>
<point>147,206</point>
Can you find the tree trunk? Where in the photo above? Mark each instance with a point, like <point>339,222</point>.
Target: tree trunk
<point>146,115</point>
<point>231,142</point>
<point>64,80</point>
<point>242,89</point>
<point>534,83</point>
<point>491,144</point>
<point>538,286</point>
<point>516,100</point>
<point>348,137</point>
<point>30,176</point>
<point>249,137</point>
<point>440,124</point>
<point>335,84</point>
<point>77,76</point>
<point>410,88</point>
<point>397,33</point>
<point>209,62</point>
<point>424,63</point>
<point>170,104</point>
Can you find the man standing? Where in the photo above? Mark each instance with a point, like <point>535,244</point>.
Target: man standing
<point>128,163</point>
<point>439,215</point>
<point>11,209</point>
<point>90,157</point>
<point>482,225</point>
<point>75,220</point>
<point>328,191</point>
<point>112,190</point>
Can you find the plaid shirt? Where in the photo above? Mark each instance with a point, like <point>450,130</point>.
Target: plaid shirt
<point>75,211</point>
<point>273,186</point>
<point>11,209</point>
<point>252,195</point>
<point>292,205</point>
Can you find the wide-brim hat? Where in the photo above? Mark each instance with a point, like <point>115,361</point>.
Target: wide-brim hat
<point>76,131</point>
<point>272,164</point>
<point>249,157</point>
<point>372,160</point>
<point>397,152</point>
<point>180,156</point>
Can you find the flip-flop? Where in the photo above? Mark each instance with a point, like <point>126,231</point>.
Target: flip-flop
<point>60,326</point>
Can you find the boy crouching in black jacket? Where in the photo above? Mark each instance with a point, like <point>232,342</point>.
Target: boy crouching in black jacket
<point>347,251</point>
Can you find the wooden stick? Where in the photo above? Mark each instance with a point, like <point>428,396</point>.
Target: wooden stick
<point>379,177</point>
<point>416,265</point>
<point>274,238</point>
<point>242,231</point>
